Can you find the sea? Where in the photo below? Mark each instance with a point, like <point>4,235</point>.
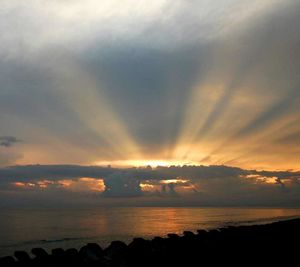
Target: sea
<point>24,229</point>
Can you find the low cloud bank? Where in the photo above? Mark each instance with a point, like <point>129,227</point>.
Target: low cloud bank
<point>171,186</point>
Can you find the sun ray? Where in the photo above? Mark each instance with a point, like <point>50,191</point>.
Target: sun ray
<point>84,96</point>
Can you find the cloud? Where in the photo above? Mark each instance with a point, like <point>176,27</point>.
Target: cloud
<point>122,185</point>
<point>187,185</point>
<point>59,23</point>
<point>8,141</point>
<point>197,81</point>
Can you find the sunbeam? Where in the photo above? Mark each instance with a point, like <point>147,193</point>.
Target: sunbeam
<point>86,99</point>
<point>204,85</point>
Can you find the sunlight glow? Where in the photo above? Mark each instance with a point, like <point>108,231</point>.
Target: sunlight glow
<point>81,184</point>
<point>95,111</point>
<point>174,181</point>
<point>232,112</point>
<point>144,163</point>
<point>263,179</point>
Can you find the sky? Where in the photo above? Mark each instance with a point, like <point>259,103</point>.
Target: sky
<point>161,83</point>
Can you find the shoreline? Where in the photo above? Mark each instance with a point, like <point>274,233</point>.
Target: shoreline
<point>104,241</point>
<point>270,242</point>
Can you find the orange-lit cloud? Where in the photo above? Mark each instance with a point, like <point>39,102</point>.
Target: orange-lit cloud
<point>188,185</point>
<point>83,184</point>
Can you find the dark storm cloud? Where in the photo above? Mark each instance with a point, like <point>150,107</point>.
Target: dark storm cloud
<point>122,184</point>
<point>8,141</point>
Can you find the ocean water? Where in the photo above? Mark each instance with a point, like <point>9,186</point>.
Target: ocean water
<point>23,229</point>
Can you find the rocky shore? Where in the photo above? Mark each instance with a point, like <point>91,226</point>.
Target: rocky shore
<point>258,245</point>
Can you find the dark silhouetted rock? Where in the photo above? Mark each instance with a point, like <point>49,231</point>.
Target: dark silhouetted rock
<point>116,252</point>
<point>115,248</point>
<point>260,245</point>
<point>96,249</point>
<point>173,236</point>
<point>188,234</point>
<point>139,244</point>
<point>22,256</point>
<point>58,252</point>
<point>72,257</point>
<point>39,252</point>
<point>202,232</point>
<point>7,261</point>
<point>71,253</point>
<point>89,254</point>
<point>58,255</point>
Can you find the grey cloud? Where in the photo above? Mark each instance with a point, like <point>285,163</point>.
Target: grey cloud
<point>153,83</point>
<point>36,172</point>
<point>8,141</point>
<point>122,184</point>
<point>292,138</point>
<point>148,77</point>
<point>148,85</point>
<point>266,61</point>
<point>212,184</point>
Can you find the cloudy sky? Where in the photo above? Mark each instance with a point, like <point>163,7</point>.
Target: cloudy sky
<point>137,83</point>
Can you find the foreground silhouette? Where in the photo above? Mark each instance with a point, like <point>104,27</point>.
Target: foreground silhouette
<point>260,245</point>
